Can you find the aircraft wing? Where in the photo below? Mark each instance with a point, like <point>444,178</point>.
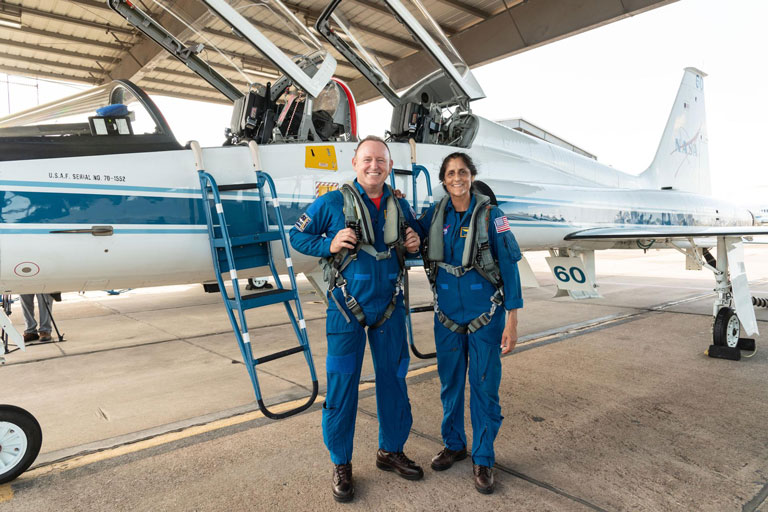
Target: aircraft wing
<point>665,232</point>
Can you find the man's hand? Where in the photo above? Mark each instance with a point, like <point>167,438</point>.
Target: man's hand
<point>344,239</point>
<point>509,336</point>
<point>399,194</point>
<point>412,240</point>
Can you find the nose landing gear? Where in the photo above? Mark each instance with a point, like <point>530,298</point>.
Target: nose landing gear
<point>20,440</point>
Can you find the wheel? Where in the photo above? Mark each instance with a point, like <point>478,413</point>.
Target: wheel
<point>258,284</point>
<point>726,329</point>
<point>20,440</point>
<point>484,189</point>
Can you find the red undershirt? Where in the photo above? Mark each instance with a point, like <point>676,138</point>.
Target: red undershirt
<point>376,201</point>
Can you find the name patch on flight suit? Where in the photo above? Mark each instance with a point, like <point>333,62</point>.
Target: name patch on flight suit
<point>464,232</point>
<point>303,222</point>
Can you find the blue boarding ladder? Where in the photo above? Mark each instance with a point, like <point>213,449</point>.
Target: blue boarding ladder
<point>414,172</point>
<point>249,250</point>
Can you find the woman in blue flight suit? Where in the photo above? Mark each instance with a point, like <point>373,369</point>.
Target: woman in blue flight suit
<point>462,296</point>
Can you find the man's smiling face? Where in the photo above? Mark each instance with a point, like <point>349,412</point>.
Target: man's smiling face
<point>372,164</point>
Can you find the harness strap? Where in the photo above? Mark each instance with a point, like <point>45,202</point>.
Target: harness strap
<point>497,299</point>
<point>357,216</point>
<point>477,255</point>
<point>454,271</point>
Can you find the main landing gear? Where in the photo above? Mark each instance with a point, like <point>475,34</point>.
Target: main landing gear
<point>733,307</point>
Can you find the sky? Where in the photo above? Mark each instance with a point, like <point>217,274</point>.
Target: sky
<point>608,91</point>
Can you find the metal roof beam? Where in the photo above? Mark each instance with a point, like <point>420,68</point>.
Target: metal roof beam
<point>8,43</point>
<point>36,73</point>
<point>52,64</point>
<point>469,9</point>
<point>62,37</point>
<point>68,19</point>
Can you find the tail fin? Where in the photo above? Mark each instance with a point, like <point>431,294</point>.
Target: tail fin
<point>682,159</point>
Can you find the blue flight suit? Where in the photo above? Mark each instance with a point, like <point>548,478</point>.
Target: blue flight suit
<point>462,299</point>
<point>372,283</point>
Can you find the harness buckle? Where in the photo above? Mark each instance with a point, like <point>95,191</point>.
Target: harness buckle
<point>349,300</point>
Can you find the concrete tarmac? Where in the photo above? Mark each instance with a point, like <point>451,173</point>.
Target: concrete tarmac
<point>609,404</point>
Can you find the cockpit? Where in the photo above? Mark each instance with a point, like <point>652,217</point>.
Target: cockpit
<point>289,94</point>
<point>279,77</point>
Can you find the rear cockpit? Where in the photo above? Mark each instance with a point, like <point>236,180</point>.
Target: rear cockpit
<point>431,100</point>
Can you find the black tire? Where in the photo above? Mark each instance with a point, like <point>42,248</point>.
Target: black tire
<point>726,328</point>
<point>22,436</point>
<point>484,189</point>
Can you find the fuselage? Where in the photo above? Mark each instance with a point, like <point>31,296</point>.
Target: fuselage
<point>152,203</point>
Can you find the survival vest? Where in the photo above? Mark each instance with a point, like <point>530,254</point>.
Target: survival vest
<point>357,217</point>
<point>477,255</point>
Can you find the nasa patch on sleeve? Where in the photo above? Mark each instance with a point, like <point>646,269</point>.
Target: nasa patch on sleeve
<point>303,222</point>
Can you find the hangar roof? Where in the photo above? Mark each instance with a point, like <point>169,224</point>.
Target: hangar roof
<point>84,41</point>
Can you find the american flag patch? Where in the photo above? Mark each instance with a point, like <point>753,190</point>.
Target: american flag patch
<point>502,224</point>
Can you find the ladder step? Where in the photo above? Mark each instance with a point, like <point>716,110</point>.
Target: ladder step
<point>278,355</point>
<point>238,186</point>
<point>265,298</point>
<point>422,309</point>
<point>255,238</point>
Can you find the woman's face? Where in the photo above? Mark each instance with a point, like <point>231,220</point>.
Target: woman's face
<point>458,178</point>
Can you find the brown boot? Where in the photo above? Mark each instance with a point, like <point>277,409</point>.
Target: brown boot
<point>483,478</point>
<point>343,486</point>
<point>399,463</point>
<point>446,458</point>
<point>45,335</point>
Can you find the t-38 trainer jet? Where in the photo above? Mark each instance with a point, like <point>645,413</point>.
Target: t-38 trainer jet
<point>98,194</point>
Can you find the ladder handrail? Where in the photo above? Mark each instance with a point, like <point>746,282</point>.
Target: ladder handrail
<point>210,188</point>
<point>415,172</point>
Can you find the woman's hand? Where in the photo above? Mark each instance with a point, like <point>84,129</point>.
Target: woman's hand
<point>509,336</point>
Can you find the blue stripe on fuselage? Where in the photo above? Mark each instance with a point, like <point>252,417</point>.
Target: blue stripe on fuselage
<point>96,208</point>
<point>109,209</point>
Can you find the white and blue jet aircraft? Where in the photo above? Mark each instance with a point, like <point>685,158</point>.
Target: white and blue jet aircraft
<point>95,202</point>
<point>111,200</point>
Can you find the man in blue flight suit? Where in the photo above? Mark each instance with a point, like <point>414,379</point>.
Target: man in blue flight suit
<point>373,283</point>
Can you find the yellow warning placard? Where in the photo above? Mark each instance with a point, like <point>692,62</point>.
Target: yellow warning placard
<point>323,187</point>
<point>321,157</point>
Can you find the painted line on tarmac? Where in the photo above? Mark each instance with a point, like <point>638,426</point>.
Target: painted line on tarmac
<point>6,493</point>
<point>755,503</point>
<point>144,444</point>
